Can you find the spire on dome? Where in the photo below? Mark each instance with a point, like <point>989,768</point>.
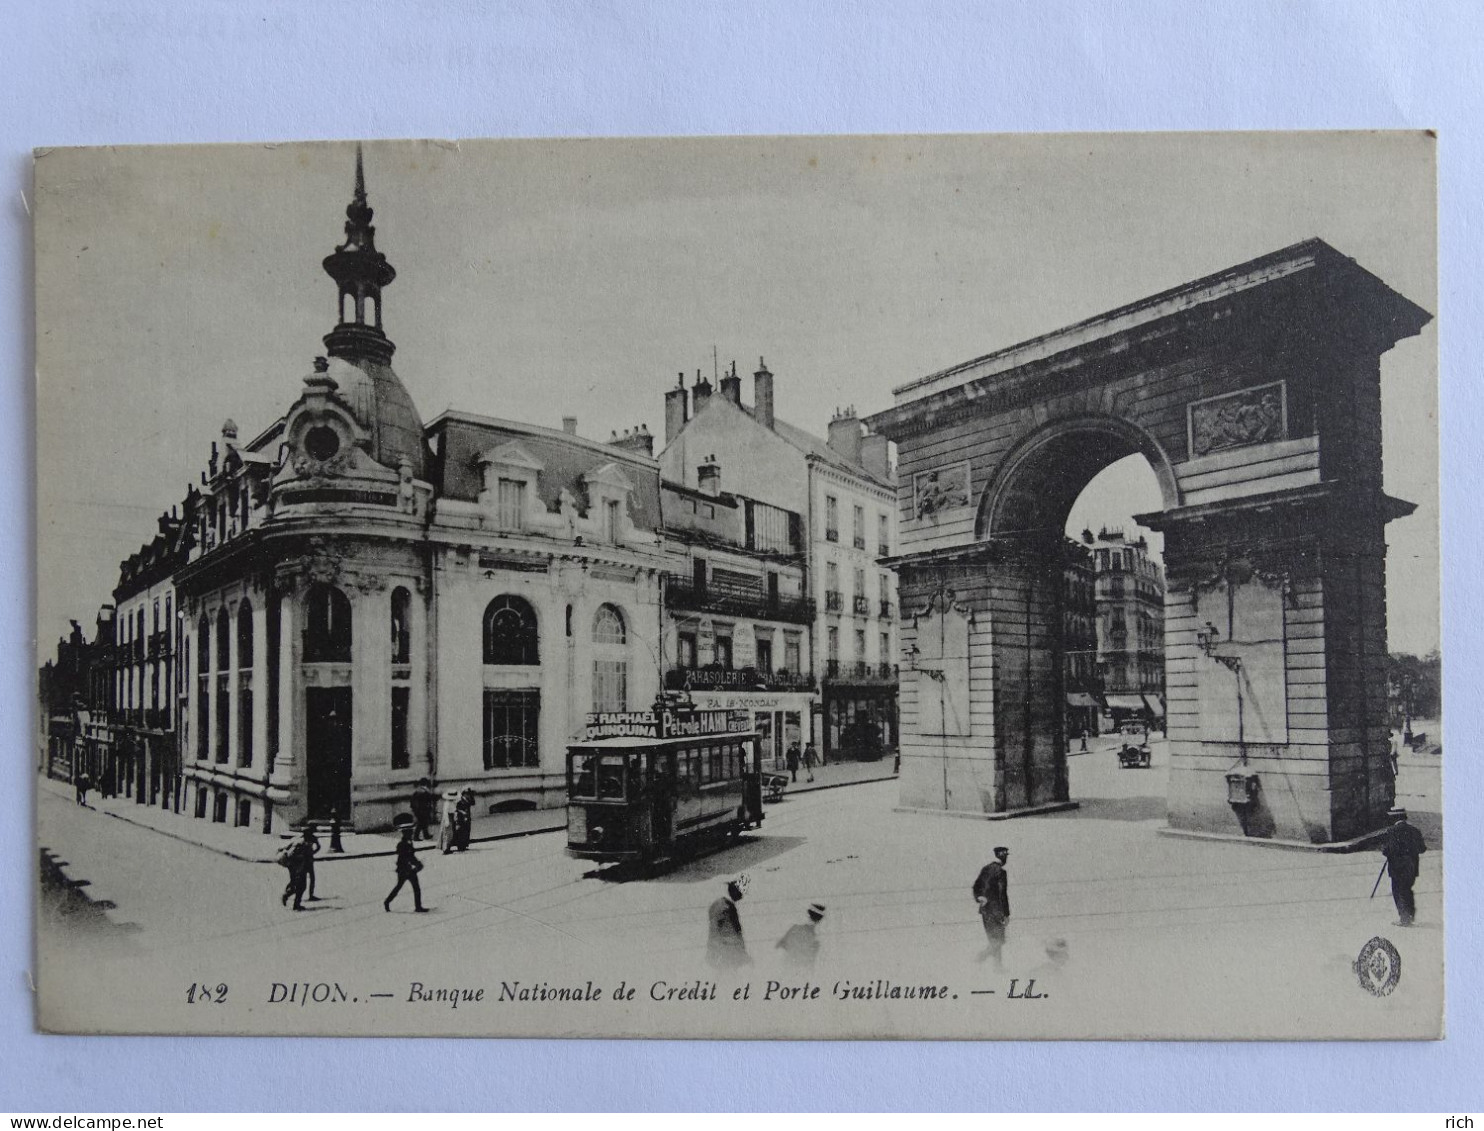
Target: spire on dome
<point>360,271</point>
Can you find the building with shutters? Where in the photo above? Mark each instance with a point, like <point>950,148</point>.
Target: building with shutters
<point>843,491</point>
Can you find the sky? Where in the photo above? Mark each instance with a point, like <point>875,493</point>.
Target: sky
<point>180,286</point>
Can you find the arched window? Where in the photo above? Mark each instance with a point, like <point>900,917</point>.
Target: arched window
<point>510,632</point>
<point>327,626</point>
<point>203,689</point>
<point>223,640</point>
<point>244,636</point>
<point>610,661</point>
<point>203,647</point>
<point>371,318</point>
<point>401,626</point>
<point>608,626</point>
<point>347,307</point>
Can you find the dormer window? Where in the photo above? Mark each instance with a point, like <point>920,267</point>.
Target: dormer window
<point>510,507</point>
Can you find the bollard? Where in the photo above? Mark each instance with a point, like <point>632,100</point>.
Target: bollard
<point>335,845</point>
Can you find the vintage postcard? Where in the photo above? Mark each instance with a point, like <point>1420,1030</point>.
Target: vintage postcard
<point>850,587</point>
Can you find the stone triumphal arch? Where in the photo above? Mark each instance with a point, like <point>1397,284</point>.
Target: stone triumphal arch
<point>1255,397</point>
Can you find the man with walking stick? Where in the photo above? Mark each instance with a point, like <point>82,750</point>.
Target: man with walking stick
<point>1402,848</point>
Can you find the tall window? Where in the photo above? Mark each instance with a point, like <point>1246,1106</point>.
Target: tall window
<point>511,729</point>
<point>511,504</point>
<point>860,644</point>
<point>401,704</point>
<point>327,627</point>
<point>612,521</point>
<point>510,632</point>
<point>724,651</point>
<point>792,654</point>
<point>764,661</point>
<point>203,689</point>
<point>401,626</point>
<point>858,531</point>
<point>610,663</point>
<point>244,684</point>
<point>883,535</point>
<point>885,649</point>
<point>831,518</point>
<point>685,649</point>
<point>834,644</point>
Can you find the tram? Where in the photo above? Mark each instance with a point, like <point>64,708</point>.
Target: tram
<point>646,785</point>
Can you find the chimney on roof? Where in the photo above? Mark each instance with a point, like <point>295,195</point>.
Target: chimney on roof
<point>639,439</point>
<point>569,425</point>
<point>700,394</point>
<point>677,410</point>
<point>731,386</point>
<point>845,434</point>
<point>875,455</point>
<point>762,394</point>
<point>708,476</point>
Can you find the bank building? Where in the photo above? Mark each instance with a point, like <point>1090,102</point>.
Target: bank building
<point>367,598</point>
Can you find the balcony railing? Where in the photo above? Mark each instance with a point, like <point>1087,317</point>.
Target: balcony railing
<point>832,600</point>
<point>713,678</point>
<point>737,601</point>
<point>887,611</point>
<point>862,606</point>
<point>860,671</point>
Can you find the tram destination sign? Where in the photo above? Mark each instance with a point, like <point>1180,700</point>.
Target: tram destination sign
<point>665,724</point>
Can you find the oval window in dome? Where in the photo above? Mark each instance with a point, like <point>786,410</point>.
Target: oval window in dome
<point>322,442</point>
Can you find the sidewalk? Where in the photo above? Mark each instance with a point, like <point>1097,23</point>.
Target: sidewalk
<point>837,774</point>
<point>259,848</point>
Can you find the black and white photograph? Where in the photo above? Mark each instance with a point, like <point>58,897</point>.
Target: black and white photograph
<point>855,587</point>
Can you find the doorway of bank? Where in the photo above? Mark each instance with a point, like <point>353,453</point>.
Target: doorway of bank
<point>327,757</point>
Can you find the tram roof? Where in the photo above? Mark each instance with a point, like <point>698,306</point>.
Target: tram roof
<point>638,741</point>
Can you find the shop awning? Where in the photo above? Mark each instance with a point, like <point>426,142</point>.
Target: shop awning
<point>1154,704</point>
<point>1126,703</point>
<point>1081,699</point>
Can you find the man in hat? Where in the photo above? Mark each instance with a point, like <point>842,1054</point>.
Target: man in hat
<point>992,893</point>
<point>800,943</point>
<point>725,949</point>
<point>295,857</point>
<point>311,849</point>
<point>408,866</point>
<point>1402,847</point>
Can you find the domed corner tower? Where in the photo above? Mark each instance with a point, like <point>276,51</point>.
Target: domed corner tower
<point>360,353</point>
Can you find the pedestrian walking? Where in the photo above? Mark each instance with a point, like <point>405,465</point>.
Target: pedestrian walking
<point>408,866</point>
<point>1084,741</point>
<point>1402,847</point>
<point>791,759</point>
<point>800,943</point>
<point>424,804</point>
<point>295,857</point>
<point>80,786</point>
<point>810,748</point>
<point>992,892</point>
<point>811,759</point>
<point>311,850</point>
<point>725,949</point>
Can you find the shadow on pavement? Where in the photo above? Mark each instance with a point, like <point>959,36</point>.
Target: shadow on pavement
<point>1114,809</point>
<point>727,860</point>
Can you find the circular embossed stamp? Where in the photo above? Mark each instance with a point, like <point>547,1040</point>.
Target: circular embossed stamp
<point>1378,966</point>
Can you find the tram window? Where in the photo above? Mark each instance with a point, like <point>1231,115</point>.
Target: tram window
<point>734,756</point>
<point>718,771</point>
<point>583,780</point>
<point>703,770</point>
<point>610,775</point>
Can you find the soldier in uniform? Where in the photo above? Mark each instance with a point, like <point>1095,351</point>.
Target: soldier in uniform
<point>408,866</point>
<point>800,943</point>
<point>992,893</point>
<point>1402,847</point>
<point>725,949</point>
